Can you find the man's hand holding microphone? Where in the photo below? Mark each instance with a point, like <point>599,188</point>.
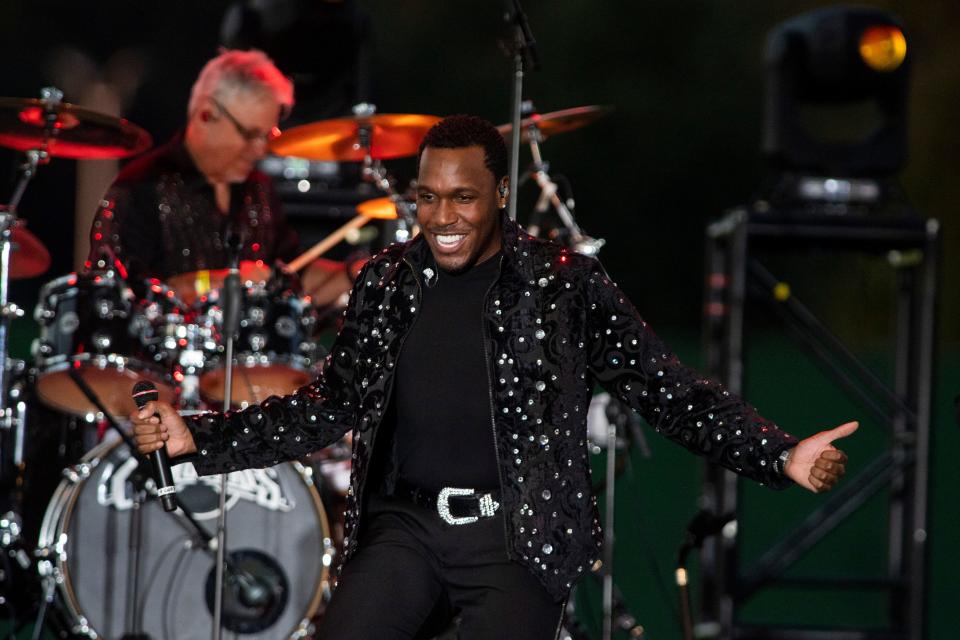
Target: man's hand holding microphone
<point>158,423</point>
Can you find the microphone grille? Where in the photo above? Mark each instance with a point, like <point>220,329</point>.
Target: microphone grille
<point>143,392</point>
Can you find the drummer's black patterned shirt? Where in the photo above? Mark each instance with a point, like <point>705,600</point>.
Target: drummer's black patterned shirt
<point>160,218</point>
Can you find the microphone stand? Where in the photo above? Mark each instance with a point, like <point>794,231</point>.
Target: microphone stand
<point>231,319</point>
<point>702,526</point>
<point>138,480</point>
<point>524,50</point>
<point>244,578</point>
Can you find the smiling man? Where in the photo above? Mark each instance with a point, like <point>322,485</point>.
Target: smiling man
<point>465,367</point>
<point>458,197</point>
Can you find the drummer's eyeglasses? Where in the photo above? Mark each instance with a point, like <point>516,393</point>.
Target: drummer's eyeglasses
<point>250,135</point>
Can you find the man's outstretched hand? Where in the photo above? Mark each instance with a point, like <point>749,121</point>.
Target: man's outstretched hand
<point>815,464</point>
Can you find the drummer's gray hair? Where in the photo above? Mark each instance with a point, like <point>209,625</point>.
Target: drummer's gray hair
<point>235,71</point>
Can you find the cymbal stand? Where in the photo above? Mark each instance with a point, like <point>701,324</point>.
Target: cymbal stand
<point>50,97</point>
<point>540,172</point>
<point>376,174</point>
<point>15,418</point>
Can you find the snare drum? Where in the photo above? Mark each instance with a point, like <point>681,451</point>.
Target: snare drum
<point>91,322</point>
<point>275,353</point>
<point>277,534</point>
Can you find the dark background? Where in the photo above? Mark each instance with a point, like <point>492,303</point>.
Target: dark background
<point>686,81</point>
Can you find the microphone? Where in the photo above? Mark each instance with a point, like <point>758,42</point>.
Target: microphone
<point>144,392</point>
<point>231,284</point>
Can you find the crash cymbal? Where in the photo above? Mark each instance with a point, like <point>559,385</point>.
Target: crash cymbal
<point>392,135</point>
<point>29,257</point>
<point>79,133</point>
<point>380,208</point>
<point>550,124</point>
<point>189,287</point>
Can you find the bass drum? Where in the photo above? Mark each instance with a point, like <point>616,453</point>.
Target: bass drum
<point>277,534</point>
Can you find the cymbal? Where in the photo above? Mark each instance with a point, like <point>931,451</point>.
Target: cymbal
<point>380,208</point>
<point>550,124</point>
<point>29,257</point>
<point>392,135</point>
<point>80,133</point>
<point>190,286</point>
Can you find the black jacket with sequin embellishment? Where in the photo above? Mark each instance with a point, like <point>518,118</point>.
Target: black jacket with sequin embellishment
<point>554,324</point>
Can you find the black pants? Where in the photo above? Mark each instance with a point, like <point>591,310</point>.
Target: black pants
<point>410,564</point>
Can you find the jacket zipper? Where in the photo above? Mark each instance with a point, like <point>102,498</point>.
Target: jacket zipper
<point>493,419</point>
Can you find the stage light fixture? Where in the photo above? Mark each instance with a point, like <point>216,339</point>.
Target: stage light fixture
<point>836,93</point>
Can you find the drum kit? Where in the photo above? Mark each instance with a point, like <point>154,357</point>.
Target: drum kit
<point>99,566</point>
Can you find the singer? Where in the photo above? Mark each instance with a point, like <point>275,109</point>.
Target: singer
<point>464,367</point>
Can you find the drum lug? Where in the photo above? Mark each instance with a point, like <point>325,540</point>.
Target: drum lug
<point>329,553</point>
<point>10,529</point>
<point>10,310</point>
<point>82,627</point>
<point>79,472</point>
<point>12,417</point>
<point>47,553</point>
<point>305,629</point>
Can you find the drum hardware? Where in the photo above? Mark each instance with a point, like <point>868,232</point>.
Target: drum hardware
<point>614,427</point>
<point>45,128</point>
<point>30,258</point>
<point>21,255</point>
<point>264,577</point>
<point>196,286</point>
<point>246,586</point>
<point>535,129</point>
<point>93,322</point>
<point>58,129</point>
<point>553,123</point>
<point>383,136</point>
<point>367,137</point>
<point>46,110</point>
<point>274,352</point>
<point>379,208</point>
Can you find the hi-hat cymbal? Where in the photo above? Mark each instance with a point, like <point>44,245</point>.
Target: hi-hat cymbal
<point>550,124</point>
<point>29,257</point>
<point>380,208</point>
<point>189,287</point>
<point>392,135</point>
<point>78,133</point>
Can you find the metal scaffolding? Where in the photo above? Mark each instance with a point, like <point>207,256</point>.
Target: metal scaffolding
<point>736,279</point>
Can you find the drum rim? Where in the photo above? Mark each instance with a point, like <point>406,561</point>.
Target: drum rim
<point>58,363</point>
<point>107,278</point>
<point>57,518</point>
<point>293,361</point>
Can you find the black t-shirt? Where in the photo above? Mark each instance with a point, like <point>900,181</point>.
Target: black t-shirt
<point>444,428</point>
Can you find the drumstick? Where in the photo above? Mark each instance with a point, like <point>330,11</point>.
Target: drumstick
<point>326,244</point>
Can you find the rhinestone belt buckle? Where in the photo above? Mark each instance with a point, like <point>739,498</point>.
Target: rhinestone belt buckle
<point>488,506</point>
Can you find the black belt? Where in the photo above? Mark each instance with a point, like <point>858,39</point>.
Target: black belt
<point>454,505</point>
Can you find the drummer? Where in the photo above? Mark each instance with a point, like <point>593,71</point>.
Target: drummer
<point>171,210</point>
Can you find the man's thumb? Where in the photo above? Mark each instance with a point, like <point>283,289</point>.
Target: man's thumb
<point>842,431</point>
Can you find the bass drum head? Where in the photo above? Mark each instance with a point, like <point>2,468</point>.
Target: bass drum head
<point>277,537</point>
